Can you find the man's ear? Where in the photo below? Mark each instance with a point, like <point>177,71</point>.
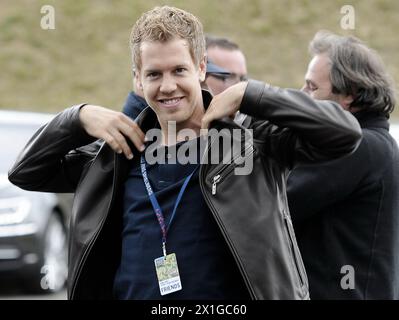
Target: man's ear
<point>202,69</point>
<point>137,81</point>
<point>346,101</point>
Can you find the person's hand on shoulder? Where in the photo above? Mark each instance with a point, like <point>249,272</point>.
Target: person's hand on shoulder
<point>225,104</point>
<point>112,127</point>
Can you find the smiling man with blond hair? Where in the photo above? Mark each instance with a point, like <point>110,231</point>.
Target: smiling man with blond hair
<point>175,230</point>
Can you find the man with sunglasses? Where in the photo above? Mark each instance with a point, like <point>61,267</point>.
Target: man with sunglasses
<point>227,55</point>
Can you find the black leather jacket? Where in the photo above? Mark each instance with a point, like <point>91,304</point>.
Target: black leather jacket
<point>250,210</point>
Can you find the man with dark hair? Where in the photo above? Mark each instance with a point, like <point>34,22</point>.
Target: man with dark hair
<point>346,211</point>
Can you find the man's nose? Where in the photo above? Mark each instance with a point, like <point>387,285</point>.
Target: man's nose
<point>168,84</point>
<point>305,89</point>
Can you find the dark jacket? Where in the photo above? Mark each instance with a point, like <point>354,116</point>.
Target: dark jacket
<point>250,210</point>
<point>346,213</point>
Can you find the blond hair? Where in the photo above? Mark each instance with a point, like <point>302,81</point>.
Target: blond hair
<point>166,23</point>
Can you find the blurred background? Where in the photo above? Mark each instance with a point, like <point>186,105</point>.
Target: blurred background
<point>86,57</point>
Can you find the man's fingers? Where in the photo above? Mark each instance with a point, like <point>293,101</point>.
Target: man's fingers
<point>204,123</point>
<point>113,142</point>
<point>225,104</point>
<point>132,127</point>
<point>211,114</point>
<point>112,126</point>
<point>122,144</point>
<point>131,130</point>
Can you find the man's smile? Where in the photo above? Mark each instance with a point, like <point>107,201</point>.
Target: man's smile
<point>170,102</point>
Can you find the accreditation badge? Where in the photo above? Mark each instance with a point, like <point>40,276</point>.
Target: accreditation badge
<point>168,274</point>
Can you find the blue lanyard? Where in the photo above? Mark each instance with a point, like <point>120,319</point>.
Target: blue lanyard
<point>157,207</point>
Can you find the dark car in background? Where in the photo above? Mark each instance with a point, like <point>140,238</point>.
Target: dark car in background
<point>33,225</point>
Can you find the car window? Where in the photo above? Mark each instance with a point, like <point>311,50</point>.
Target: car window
<point>13,138</point>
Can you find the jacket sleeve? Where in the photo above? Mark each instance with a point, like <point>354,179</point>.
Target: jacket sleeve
<point>310,189</point>
<point>54,159</point>
<point>300,129</point>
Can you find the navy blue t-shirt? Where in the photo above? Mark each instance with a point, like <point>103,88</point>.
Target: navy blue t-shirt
<point>134,104</point>
<point>206,266</point>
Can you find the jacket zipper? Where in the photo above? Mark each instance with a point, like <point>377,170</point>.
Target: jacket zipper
<point>224,233</point>
<point>228,241</point>
<point>225,171</point>
<point>288,223</point>
<point>94,238</point>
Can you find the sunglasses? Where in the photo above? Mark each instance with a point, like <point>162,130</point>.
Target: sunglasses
<point>231,78</point>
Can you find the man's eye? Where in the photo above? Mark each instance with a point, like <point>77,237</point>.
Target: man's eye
<point>220,77</point>
<point>152,75</point>
<point>180,70</point>
<point>311,87</point>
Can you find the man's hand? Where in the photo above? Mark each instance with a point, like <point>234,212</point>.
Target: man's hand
<point>224,104</point>
<point>112,126</point>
